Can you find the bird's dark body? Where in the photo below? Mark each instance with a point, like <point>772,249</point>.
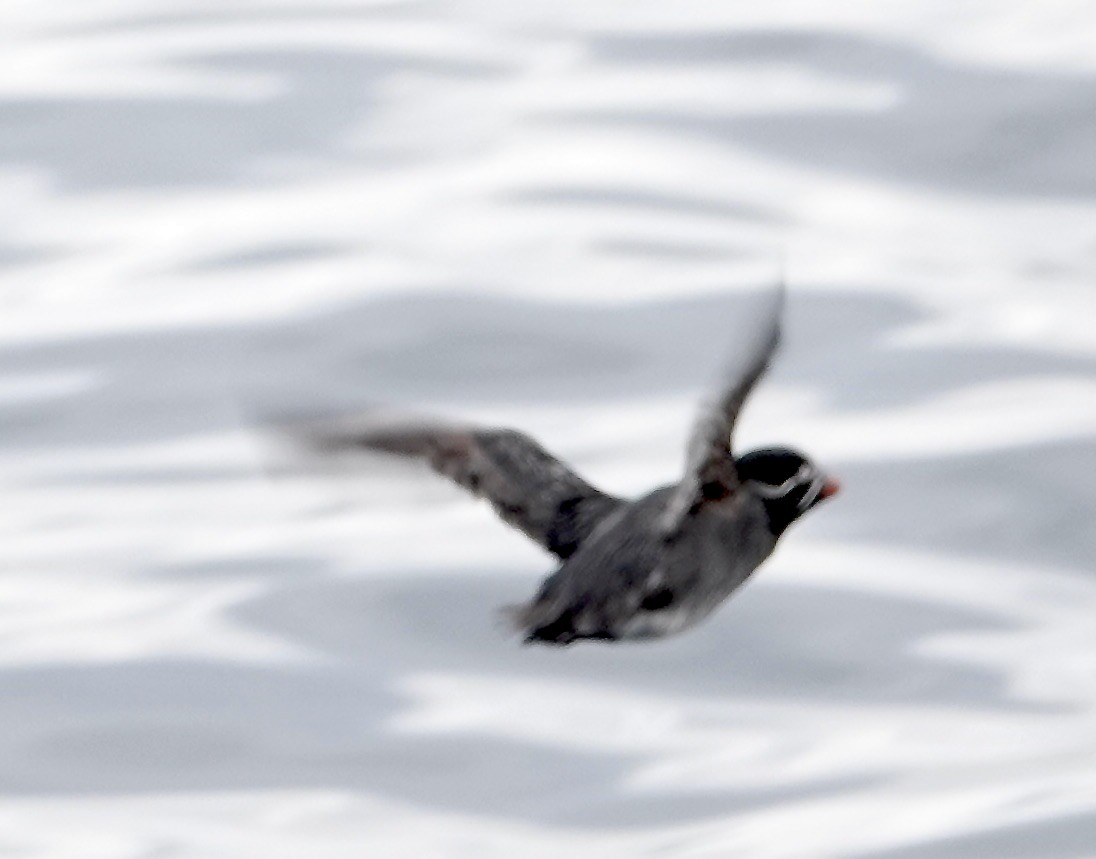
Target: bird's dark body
<point>627,580</point>
<point>628,569</point>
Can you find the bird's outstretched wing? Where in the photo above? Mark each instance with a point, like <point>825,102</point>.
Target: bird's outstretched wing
<point>710,474</point>
<point>528,487</point>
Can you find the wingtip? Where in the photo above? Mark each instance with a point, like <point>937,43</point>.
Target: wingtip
<point>780,288</point>
<point>516,621</point>
<point>780,291</point>
<point>377,428</point>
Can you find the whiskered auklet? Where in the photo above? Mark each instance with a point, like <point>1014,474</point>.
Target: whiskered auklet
<point>630,569</point>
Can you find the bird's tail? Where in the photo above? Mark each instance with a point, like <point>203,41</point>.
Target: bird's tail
<point>538,621</point>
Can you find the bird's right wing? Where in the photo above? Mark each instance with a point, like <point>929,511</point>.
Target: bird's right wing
<point>710,474</point>
<point>528,487</point>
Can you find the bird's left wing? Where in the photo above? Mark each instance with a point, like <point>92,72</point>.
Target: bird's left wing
<point>528,487</point>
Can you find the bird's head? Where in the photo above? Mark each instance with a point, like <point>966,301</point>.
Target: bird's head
<point>787,483</point>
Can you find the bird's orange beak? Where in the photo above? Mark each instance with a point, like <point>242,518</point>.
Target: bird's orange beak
<point>831,487</point>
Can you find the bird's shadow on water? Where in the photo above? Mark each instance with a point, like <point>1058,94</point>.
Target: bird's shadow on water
<point>160,725</point>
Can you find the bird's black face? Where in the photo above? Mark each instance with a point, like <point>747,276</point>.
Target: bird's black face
<point>786,481</point>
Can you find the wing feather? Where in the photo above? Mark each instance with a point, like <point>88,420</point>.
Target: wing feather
<point>529,488</point>
<point>710,474</point>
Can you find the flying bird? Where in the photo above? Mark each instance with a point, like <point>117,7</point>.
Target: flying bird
<point>628,569</point>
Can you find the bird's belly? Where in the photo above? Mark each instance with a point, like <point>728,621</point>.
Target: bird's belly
<point>655,624</point>
<point>700,579</point>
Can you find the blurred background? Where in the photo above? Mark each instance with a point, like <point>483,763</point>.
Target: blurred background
<point>554,216</point>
